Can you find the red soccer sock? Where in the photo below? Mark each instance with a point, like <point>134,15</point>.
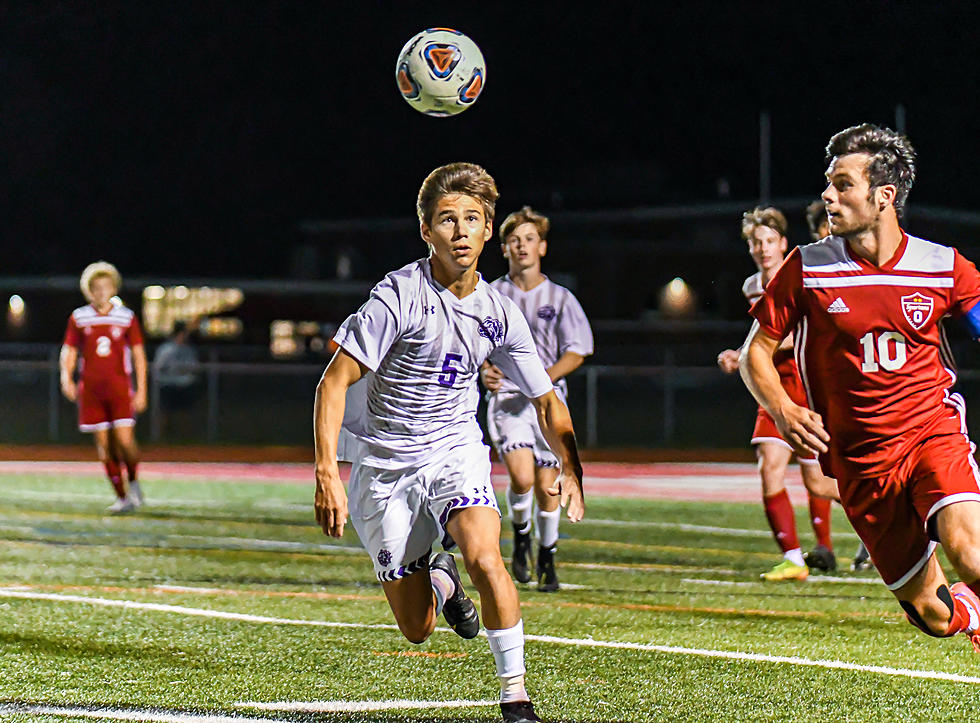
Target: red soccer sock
<point>779,512</point>
<point>820,519</point>
<point>131,468</point>
<point>114,473</point>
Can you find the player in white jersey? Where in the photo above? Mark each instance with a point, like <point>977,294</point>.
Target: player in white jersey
<point>563,338</point>
<point>423,473</point>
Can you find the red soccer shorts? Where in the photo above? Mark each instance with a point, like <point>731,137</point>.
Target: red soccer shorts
<point>105,405</point>
<point>891,513</point>
<point>766,431</point>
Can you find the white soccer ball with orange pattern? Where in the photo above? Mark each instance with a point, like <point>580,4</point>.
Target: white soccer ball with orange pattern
<point>440,72</point>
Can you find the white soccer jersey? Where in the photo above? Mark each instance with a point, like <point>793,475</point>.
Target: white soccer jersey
<point>753,287</point>
<point>557,323</point>
<point>425,347</point>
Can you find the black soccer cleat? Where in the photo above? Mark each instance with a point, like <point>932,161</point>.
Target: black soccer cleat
<point>459,610</point>
<point>821,558</point>
<point>547,577</point>
<point>521,561</point>
<point>522,712</point>
<point>862,560</point>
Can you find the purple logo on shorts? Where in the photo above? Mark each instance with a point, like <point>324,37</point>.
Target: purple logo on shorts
<point>547,312</point>
<point>384,557</point>
<point>492,329</point>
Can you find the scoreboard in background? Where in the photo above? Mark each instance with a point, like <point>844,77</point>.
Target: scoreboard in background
<point>292,339</point>
<point>164,306</point>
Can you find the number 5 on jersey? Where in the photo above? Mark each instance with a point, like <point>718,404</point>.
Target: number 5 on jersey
<point>886,359</point>
<point>448,376</point>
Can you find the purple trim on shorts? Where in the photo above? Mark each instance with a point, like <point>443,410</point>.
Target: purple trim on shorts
<point>459,503</point>
<point>548,464</point>
<point>406,570</point>
<point>516,445</point>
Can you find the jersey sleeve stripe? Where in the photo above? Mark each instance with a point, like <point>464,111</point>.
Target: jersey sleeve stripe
<point>835,282</point>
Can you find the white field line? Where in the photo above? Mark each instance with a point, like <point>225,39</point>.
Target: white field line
<point>181,610</point>
<point>358,706</point>
<point>813,579</point>
<point>149,715</point>
<point>253,544</point>
<point>611,567</point>
<point>152,502</point>
<point>577,642</point>
<point>684,527</point>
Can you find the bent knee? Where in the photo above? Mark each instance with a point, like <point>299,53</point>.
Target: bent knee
<point>485,564</point>
<point>417,631</point>
<point>932,616</point>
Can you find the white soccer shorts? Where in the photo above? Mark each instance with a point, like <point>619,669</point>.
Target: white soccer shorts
<point>399,513</point>
<point>513,424</point>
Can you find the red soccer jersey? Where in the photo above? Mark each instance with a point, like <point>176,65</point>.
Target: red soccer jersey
<point>870,345</point>
<point>104,342</point>
<point>784,359</point>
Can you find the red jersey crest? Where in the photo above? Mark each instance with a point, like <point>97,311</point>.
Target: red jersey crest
<point>917,308</point>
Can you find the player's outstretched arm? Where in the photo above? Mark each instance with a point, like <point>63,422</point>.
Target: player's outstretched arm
<point>139,367</point>
<point>801,427</point>
<point>565,365</point>
<point>330,501</point>
<point>556,425</point>
<point>66,364</point>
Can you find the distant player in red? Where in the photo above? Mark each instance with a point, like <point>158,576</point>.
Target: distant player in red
<point>867,304</point>
<point>107,336</point>
<point>764,229</point>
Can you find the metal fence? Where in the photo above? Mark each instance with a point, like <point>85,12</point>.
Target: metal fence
<point>664,406</point>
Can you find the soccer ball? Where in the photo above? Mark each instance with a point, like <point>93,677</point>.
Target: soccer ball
<point>440,72</point>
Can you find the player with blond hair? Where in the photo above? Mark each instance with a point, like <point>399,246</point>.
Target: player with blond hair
<point>564,339</point>
<point>421,472</point>
<point>106,337</point>
<point>868,304</point>
<point>764,229</point>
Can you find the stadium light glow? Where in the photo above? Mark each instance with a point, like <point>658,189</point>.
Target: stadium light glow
<point>154,293</point>
<point>16,311</point>
<point>677,299</point>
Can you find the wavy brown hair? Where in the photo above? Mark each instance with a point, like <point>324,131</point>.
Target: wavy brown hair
<point>467,179</point>
<point>525,215</point>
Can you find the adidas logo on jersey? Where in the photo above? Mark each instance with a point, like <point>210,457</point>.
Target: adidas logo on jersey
<point>838,306</point>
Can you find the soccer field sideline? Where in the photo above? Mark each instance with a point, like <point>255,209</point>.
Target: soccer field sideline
<point>696,482</point>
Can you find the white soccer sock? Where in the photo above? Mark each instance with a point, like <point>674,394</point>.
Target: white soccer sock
<point>443,587</point>
<point>547,523</point>
<point>795,556</point>
<point>507,647</point>
<point>520,509</point>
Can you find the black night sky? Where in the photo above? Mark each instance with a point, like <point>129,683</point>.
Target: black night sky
<point>193,138</point>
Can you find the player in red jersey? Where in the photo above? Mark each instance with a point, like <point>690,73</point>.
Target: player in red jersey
<point>867,305</point>
<point>109,340</point>
<point>765,231</point>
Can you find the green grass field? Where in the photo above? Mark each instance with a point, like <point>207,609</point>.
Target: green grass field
<point>222,593</point>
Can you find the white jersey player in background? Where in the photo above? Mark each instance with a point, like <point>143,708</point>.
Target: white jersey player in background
<point>422,472</point>
<point>563,338</point>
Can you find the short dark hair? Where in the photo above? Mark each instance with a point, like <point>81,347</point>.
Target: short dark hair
<point>525,215</point>
<point>467,179</point>
<point>815,213</point>
<point>892,157</point>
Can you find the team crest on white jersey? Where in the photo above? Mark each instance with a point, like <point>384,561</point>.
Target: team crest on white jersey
<point>917,308</point>
<point>837,306</point>
<point>492,329</point>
